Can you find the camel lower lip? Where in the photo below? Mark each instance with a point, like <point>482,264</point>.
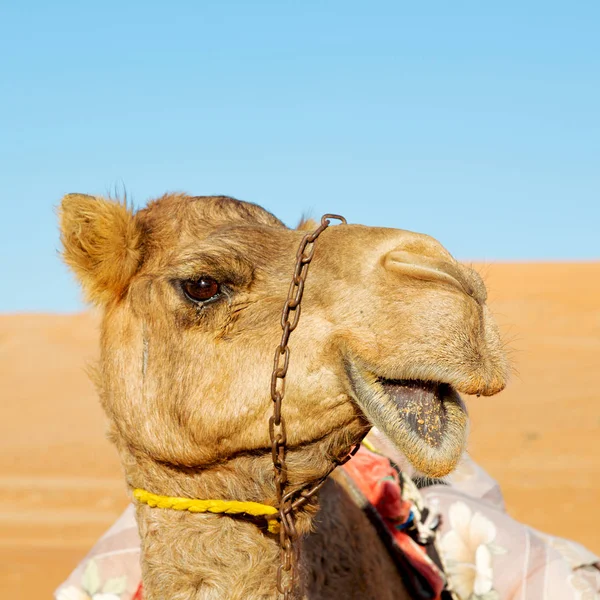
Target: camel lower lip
<point>425,420</point>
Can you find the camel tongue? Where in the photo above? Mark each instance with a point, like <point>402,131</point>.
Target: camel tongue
<point>421,403</point>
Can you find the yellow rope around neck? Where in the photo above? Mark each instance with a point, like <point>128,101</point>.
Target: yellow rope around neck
<point>226,507</point>
<point>219,507</point>
<point>367,444</point>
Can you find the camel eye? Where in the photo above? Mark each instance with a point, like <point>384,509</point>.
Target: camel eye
<point>202,289</point>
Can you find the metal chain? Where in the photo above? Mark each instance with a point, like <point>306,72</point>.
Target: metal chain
<point>290,502</point>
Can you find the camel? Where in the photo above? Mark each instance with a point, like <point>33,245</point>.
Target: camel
<point>191,291</point>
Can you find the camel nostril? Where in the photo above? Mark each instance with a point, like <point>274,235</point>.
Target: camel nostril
<point>423,257</point>
<point>417,266</point>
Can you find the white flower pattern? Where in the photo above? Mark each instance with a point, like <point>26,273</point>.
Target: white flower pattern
<point>73,593</point>
<point>468,549</point>
<point>91,588</point>
<point>582,587</point>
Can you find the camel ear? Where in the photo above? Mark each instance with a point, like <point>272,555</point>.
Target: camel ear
<point>307,224</point>
<point>101,243</point>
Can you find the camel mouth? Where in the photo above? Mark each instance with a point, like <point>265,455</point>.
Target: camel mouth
<point>423,406</point>
<point>426,420</point>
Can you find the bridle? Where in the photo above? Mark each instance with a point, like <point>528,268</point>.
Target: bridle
<point>290,501</point>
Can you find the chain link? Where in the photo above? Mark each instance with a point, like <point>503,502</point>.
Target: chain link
<point>290,502</point>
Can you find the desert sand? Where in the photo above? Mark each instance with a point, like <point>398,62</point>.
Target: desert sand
<point>60,481</point>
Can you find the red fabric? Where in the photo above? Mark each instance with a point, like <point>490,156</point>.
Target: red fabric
<point>379,482</point>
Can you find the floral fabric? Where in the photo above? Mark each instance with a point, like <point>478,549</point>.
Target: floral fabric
<point>111,570</point>
<point>488,555</point>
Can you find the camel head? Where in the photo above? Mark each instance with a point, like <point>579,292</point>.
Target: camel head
<point>192,289</point>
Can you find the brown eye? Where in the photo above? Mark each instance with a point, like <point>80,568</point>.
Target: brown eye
<point>202,289</point>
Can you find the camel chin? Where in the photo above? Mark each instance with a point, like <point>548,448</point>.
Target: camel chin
<point>427,421</point>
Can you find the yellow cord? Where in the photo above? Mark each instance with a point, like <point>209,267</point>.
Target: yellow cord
<point>227,507</point>
<point>219,507</point>
<point>369,446</point>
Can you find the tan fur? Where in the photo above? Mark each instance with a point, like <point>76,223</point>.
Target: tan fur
<point>101,244</point>
<point>186,388</point>
<point>307,224</point>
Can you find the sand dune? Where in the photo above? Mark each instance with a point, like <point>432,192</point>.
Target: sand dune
<point>60,481</point>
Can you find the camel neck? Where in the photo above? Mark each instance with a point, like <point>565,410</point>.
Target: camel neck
<point>202,556</point>
<point>190,556</point>
<point>187,556</point>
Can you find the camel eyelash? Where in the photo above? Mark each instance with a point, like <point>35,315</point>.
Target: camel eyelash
<point>227,268</point>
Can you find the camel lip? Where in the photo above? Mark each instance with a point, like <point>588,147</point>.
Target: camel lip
<point>426,420</point>
<point>429,378</point>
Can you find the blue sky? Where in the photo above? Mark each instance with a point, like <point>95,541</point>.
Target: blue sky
<point>478,123</point>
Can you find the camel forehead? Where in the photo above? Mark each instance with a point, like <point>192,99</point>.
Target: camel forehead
<point>174,215</point>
